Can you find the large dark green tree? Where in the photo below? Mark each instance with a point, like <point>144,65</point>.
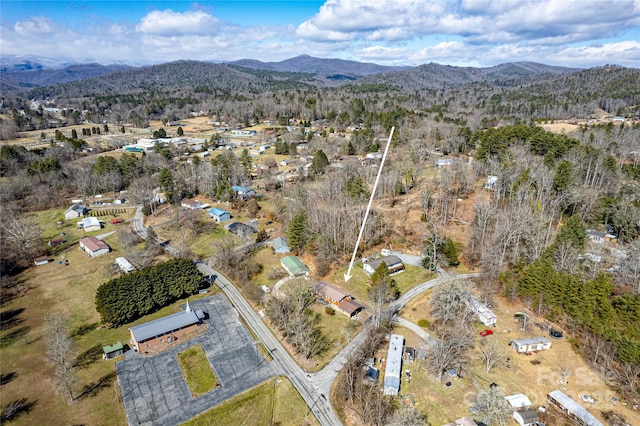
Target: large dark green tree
<point>297,231</point>
<point>319,162</point>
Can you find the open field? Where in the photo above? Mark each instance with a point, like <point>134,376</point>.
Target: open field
<point>534,375</point>
<point>70,290</point>
<point>274,402</point>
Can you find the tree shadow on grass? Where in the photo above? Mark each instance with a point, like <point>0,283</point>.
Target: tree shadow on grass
<point>8,338</point>
<point>10,318</point>
<point>83,329</point>
<point>15,408</point>
<point>88,357</point>
<point>93,388</point>
<point>8,377</point>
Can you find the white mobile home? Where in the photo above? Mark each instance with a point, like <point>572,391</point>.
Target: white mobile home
<point>394,365</point>
<point>531,344</point>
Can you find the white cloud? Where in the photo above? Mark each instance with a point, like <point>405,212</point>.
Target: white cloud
<point>38,25</point>
<point>170,23</point>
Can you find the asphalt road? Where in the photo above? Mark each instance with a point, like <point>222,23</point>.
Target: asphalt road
<point>314,387</point>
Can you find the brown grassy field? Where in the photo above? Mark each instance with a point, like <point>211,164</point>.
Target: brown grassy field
<point>534,379</point>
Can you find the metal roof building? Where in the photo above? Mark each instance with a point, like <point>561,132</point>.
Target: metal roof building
<point>394,365</point>
<point>165,325</point>
<point>294,266</point>
<point>573,409</point>
<point>124,265</point>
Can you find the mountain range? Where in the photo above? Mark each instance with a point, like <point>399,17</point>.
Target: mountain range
<point>19,74</point>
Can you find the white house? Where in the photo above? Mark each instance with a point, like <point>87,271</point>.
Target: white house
<point>531,344</point>
<point>190,204</point>
<point>394,265</point>
<point>526,417</point>
<point>75,211</point>
<point>484,314</point>
<point>91,224</point>
<point>93,246</point>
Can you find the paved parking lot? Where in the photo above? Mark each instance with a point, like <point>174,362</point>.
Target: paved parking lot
<point>153,389</point>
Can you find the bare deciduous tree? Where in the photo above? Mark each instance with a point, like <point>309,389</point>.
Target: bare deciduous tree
<point>59,349</point>
<point>491,408</point>
<point>493,355</point>
<point>448,303</point>
<point>448,352</point>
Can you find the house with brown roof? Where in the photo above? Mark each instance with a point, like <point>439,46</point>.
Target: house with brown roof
<point>190,204</point>
<point>339,298</point>
<point>94,246</point>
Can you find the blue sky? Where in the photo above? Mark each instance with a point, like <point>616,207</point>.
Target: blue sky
<point>575,33</point>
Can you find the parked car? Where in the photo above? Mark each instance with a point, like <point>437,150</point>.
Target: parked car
<point>556,334</point>
<point>486,333</point>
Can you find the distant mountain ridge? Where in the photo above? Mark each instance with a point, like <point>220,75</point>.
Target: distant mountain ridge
<point>434,75</point>
<point>320,66</point>
<point>24,74</point>
<point>27,74</point>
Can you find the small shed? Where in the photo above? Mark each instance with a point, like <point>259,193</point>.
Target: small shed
<point>116,221</point>
<point>219,215</point>
<point>294,266</point>
<point>518,401</point>
<point>124,265</point>
<point>531,344</point>
<point>55,242</point>
<point>112,351</point>
<point>42,260</point>
<point>526,417</point>
<point>281,245</point>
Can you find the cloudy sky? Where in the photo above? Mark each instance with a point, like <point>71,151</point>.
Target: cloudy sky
<point>575,33</point>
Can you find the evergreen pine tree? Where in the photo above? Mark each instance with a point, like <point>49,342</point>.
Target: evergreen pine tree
<point>297,231</point>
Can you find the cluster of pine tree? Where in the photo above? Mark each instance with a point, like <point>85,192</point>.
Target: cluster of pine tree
<point>124,299</point>
<point>591,304</point>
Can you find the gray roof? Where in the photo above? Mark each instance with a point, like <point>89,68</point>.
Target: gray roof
<point>394,362</point>
<point>280,242</point>
<point>531,340</point>
<point>90,221</point>
<point>574,408</point>
<point>389,260</point>
<point>77,208</point>
<point>164,325</point>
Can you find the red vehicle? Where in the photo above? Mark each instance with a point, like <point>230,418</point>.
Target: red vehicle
<point>486,333</point>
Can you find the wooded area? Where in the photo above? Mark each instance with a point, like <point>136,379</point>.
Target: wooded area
<point>131,296</point>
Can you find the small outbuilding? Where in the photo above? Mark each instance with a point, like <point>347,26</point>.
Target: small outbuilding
<point>294,266</point>
<point>112,351</point>
<point>526,417</point>
<point>94,246</point>
<point>42,260</point>
<point>219,215</point>
<point>55,242</point>
<point>531,344</point>
<point>124,265</point>
<point>484,314</point>
<point>281,245</point>
<point>115,221</point>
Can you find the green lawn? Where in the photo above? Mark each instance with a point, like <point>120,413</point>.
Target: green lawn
<point>358,285</point>
<point>338,329</point>
<point>274,402</point>
<point>197,370</point>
